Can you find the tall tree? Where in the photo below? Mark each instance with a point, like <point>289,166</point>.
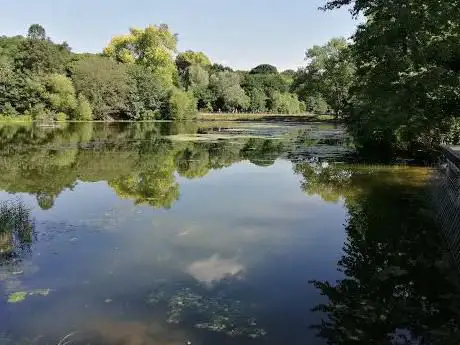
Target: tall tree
<point>328,75</point>
<point>264,69</point>
<point>36,32</point>
<point>189,58</point>
<point>228,93</point>
<point>152,47</point>
<point>408,86</point>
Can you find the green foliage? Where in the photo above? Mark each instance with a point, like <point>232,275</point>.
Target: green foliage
<point>16,228</point>
<point>317,104</point>
<point>407,58</point>
<point>328,77</point>
<point>60,95</point>
<point>258,101</point>
<point>264,69</point>
<point>8,47</point>
<point>147,94</point>
<point>152,47</point>
<point>269,83</point>
<point>180,106</point>
<point>189,58</point>
<point>228,93</point>
<point>284,103</point>
<point>197,78</point>
<point>17,297</point>
<point>41,57</point>
<point>105,84</point>
<point>83,112</point>
<point>36,32</point>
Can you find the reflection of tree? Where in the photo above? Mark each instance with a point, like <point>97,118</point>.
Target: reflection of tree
<point>156,188</point>
<point>399,287</point>
<point>330,181</point>
<point>16,229</point>
<point>193,162</point>
<point>45,200</point>
<point>262,152</point>
<point>138,160</point>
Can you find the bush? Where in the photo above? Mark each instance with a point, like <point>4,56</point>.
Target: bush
<point>83,111</point>
<point>284,103</point>
<point>60,94</point>
<point>180,106</point>
<point>61,117</point>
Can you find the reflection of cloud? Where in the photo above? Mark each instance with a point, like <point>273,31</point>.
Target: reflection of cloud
<point>214,269</point>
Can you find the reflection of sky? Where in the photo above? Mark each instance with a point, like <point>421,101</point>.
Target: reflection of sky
<point>245,221</point>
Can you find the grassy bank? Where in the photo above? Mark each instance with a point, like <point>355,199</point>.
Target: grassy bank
<point>24,118</point>
<point>262,117</point>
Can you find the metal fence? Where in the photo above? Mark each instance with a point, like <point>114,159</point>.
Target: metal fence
<point>446,198</point>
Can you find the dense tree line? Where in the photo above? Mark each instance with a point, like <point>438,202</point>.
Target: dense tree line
<point>138,76</point>
<point>397,82</point>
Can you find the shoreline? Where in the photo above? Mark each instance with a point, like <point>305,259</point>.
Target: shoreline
<point>242,117</point>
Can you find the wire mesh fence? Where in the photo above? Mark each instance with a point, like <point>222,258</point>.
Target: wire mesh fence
<point>446,199</point>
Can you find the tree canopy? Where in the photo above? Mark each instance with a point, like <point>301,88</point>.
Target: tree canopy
<point>406,92</point>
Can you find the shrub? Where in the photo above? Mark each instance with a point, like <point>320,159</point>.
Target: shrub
<point>180,106</point>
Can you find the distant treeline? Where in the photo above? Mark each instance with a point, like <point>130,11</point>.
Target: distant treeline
<point>138,76</point>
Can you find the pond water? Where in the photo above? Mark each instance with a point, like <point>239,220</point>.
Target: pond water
<point>215,233</point>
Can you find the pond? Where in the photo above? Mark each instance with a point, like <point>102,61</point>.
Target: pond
<point>215,233</point>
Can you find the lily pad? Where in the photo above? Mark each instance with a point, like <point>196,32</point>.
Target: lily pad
<point>20,296</point>
<point>17,297</point>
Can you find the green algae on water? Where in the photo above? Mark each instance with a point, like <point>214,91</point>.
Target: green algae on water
<point>17,297</point>
<point>20,296</point>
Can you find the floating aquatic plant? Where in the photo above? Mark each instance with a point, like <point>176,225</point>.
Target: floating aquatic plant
<point>20,296</point>
<point>17,297</point>
<point>215,311</point>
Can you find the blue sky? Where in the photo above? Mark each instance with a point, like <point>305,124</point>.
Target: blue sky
<point>239,33</point>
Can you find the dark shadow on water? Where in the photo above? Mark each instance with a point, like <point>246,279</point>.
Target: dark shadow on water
<point>399,285</point>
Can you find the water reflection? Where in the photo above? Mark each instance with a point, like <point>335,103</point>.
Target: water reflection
<point>137,160</point>
<point>399,286</point>
<point>169,233</point>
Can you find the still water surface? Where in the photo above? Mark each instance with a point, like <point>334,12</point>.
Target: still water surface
<point>222,233</point>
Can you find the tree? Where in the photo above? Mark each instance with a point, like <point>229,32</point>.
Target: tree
<point>36,32</point>
<point>180,106</point>
<point>258,101</point>
<point>227,91</point>
<point>105,84</point>
<point>408,68</point>
<point>269,83</point>
<point>189,58</point>
<point>264,69</point>
<point>329,75</point>
<point>147,94</point>
<point>41,57</point>
<point>60,95</point>
<point>9,47</point>
<point>284,103</point>
<point>83,111</point>
<point>152,47</point>
<point>317,104</point>
<point>197,77</point>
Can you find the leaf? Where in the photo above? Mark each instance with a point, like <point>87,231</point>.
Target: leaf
<point>17,297</point>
